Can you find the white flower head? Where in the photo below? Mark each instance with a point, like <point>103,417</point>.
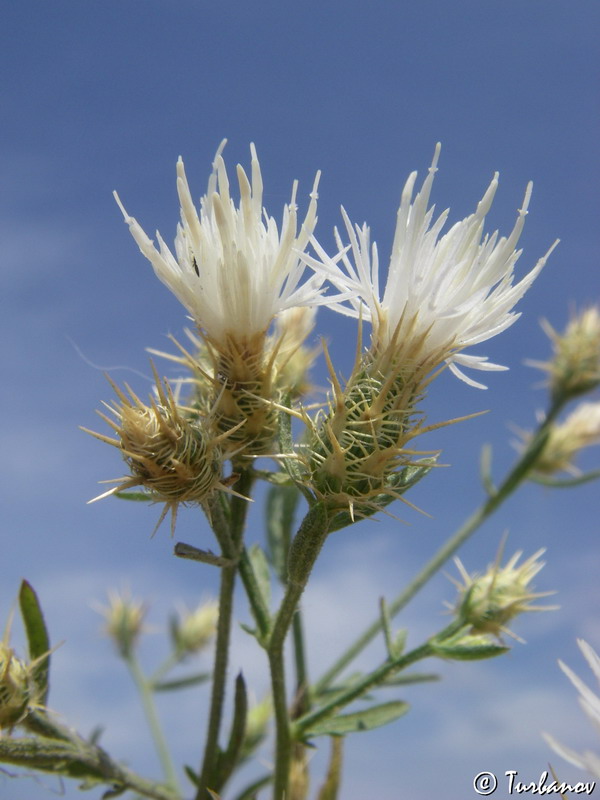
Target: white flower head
<point>233,269</point>
<point>590,703</point>
<point>443,293</point>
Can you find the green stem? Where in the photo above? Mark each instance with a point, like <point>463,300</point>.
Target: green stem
<point>229,530</point>
<point>144,688</point>
<point>515,477</point>
<point>375,678</point>
<point>302,703</point>
<point>74,757</point>
<point>304,550</point>
<point>211,750</point>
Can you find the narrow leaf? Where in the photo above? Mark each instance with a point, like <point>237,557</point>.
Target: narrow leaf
<point>280,507</point>
<point>412,677</point>
<point>249,793</point>
<point>286,446</point>
<point>37,639</point>
<point>366,720</point>
<point>260,565</point>
<point>138,497</point>
<point>181,683</point>
<point>193,776</point>
<point>565,483</point>
<point>331,786</point>
<point>229,758</point>
<point>387,631</point>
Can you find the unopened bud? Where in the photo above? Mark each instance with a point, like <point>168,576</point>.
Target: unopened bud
<point>15,688</point>
<point>575,366</point>
<point>192,631</point>
<point>490,601</point>
<point>566,439</point>
<point>124,621</point>
<point>174,456</point>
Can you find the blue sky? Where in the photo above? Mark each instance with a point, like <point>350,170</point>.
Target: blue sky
<point>106,95</point>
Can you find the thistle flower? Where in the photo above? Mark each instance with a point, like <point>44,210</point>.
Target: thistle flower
<point>235,272</point>
<point>590,703</point>
<point>232,269</point>
<point>177,459</point>
<point>575,366</point>
<point>566,439</point>
<point>490,601</point>
<point>444,293</point>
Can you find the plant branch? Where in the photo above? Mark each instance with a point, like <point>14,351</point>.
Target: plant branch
<point>514,478</point>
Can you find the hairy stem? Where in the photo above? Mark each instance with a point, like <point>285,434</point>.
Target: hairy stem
<point>304,550</point>
<point>229,530</point>
<point>144,688</point>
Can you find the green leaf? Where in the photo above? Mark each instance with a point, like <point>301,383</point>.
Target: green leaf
<point>286,446</point>
<point>280,507</point>
<point>331,786</point>
<point>260,566</point>
<point>138,497</point>
<point>181,683</point>
<point>229,759</point>
<point>565,483</point>
<point>37,639</point>
<point>473,648</point>
<point>366,720</point>
<point>249,793</point>
<point>193,776</point>
<point>412,677</point>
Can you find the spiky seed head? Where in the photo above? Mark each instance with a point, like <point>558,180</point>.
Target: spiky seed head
<point>490,601</point>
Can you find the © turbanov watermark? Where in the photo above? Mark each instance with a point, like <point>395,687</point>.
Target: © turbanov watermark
<point>486,783</point>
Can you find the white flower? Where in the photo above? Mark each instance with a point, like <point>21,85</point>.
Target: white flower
<point>590,703</point>
<point>443,293</point>
<point>233,269</point>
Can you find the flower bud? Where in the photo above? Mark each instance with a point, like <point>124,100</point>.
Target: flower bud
<point>193,630</point>
<point>468,646</point>
<point>169,450</point>
<point>15,688</point>
<point>490,601</point>
<point>580,429</point>
<point>124,621</point>
<point>575,366</point>
<point>356,454</point>
<point>294,359</point>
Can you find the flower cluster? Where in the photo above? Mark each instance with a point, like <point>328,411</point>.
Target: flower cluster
<point>236,272</point>
<point>242,279</point>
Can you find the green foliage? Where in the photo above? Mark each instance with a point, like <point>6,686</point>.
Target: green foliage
<point>37,639</point>
<point>366,720</point>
